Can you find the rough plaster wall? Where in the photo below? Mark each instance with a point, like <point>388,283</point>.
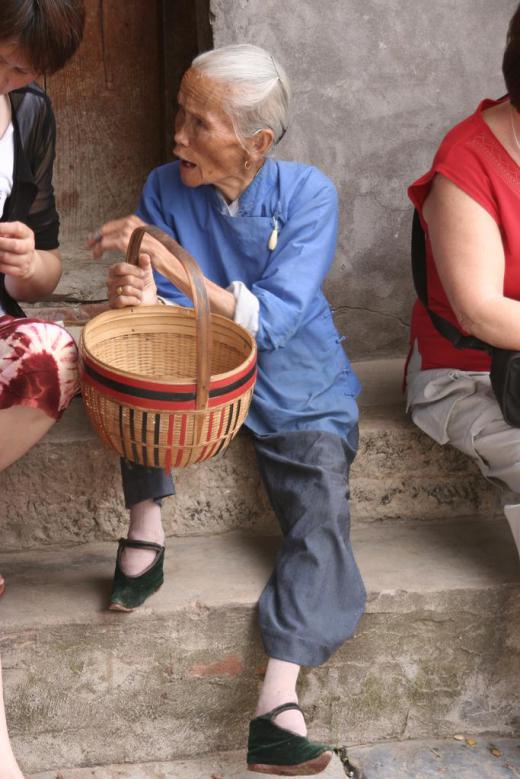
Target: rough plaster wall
<point>376,85</point>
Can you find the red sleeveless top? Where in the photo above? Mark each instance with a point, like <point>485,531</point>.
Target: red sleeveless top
<point>475,160</point>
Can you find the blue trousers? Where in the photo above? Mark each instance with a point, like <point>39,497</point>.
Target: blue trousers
<point>315,596</point>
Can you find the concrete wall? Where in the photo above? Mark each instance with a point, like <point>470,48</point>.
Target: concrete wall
<point>376,85</point>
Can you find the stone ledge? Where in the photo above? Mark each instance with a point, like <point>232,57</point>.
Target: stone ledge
<point>408,760</point>
<point>437,652</point>
<point>67,489</point>
<point>228,765</point>
<point>487,758</point>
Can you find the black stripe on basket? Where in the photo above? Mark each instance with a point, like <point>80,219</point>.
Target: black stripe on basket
<point>239,405</point>
<point>221,444</point>
<point>144,426</point>
<point>121,432</point>
<point>132,435</point>
<point>230,419</point>
<point>156,433</point>
<point>229,424</point>
<point>141,392</point>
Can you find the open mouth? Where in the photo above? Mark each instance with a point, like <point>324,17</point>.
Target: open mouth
<point>185,163</point>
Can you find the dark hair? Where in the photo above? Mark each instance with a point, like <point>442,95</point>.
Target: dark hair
<point>48,31</point>
<point>511,61</point>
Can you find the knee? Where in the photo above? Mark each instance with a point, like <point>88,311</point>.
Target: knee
<point>57,340</point>
<point>62,346</point>
<point>49,356</point>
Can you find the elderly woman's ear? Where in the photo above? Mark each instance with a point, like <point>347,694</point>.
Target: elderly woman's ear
<point>260,143</point>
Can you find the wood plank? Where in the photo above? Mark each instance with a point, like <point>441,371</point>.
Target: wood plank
<point>109,109</point>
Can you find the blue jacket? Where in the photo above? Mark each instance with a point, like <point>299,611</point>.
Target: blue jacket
<point>304,377</point>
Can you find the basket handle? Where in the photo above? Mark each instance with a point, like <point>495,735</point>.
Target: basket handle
<point>198,295</point>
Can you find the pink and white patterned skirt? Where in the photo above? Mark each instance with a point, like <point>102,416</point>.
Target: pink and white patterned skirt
<point>38,365</point>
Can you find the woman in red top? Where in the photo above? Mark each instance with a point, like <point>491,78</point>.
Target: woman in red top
<point>469,206</point>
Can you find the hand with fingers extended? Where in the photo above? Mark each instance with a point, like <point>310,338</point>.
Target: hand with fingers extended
<point>113,236</point>
<point>18,256</point>
<point>131,285</point>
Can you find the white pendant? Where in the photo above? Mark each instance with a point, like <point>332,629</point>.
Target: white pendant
<point>273,238</point>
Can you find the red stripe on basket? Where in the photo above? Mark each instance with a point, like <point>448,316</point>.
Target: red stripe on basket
<point>208,436</point>
<point>236,376</point>
<point>169,440</point>
<point>221,399</point>
<point>139,383</point>
<point>219,434</point>
<point>182,438</point>
<point>131,400</point>
<point>210,426</point>
<point>221,425</point>
<point>160,387</point>
<point>164,405</point>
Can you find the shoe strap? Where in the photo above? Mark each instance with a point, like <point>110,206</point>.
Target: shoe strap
<point>136,544</point>
<point>284,707</point>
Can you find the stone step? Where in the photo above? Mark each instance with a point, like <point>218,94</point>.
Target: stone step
<point>83,279</point>
<point>483,758</point>
<point>437,652</point>
<point>490,758</point>
<point>228,765</point>
<point>67,488</point>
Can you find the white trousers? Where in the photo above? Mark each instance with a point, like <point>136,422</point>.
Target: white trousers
<point>460,408</point>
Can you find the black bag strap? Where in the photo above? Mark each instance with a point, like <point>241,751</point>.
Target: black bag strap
<point>420,280</point>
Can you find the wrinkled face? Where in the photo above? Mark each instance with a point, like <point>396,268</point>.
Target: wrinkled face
<point>15,69</point>
<point>205,140</point>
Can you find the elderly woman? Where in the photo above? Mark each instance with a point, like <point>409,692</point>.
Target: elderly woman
<point>264,235</point>
<point>468,204</point>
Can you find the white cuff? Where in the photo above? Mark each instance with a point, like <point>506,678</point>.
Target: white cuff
<point>247,307</point>
<point>165,301</point>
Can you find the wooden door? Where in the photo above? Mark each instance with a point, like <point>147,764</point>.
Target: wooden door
<point>110,114</point>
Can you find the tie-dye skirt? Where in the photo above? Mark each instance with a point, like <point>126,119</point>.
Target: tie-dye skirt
<point>38,365</point>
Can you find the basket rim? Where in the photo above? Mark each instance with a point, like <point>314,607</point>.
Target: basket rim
<point>142,311</point>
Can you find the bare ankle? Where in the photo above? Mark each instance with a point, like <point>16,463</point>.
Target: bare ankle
<point>145,525</point>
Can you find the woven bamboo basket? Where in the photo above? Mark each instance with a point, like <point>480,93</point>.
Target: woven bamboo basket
<point>167,386</point>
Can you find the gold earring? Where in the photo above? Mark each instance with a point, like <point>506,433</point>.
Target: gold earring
<point>247,164</point>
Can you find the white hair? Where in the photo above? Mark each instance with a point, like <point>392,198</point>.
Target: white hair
<point>260,94</point>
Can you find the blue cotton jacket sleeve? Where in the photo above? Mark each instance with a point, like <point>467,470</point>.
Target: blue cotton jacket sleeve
<point>299,264</point>
<point>151,211</point>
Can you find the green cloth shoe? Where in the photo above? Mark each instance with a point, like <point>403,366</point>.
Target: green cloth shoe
<point>129,592</point>
<point>274,750</point>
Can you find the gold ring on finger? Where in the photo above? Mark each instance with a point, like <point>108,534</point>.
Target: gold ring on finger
<point>119,291</point>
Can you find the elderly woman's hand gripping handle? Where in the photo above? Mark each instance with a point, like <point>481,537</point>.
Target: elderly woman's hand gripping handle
<point>130,285</point>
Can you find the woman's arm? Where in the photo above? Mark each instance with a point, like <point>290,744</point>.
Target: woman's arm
<point>469,257</point>
<point>29,256</point>
<point>221,301</point>
<point>137,284</point>
<point>30,274</point>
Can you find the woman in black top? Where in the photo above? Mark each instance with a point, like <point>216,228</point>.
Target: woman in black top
<point>38,375</point>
